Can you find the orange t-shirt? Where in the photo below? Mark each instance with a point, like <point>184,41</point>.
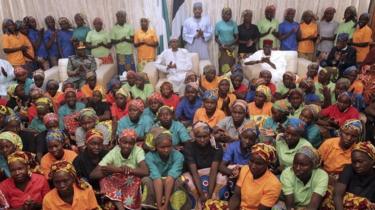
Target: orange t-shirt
<point>15,41</point>
<point>210,85</point>
<point>88,92</point>
<point>361,35</point>
<point>145,52</point>
<point>357,87</point>
<point>307,46</point>
<point>48,160</point>
<point>220,101</point>
<point>265,110</point>
<point>82,200</point>
<point>333,157</point>
<point>254,192</point>
<point>200,115</point>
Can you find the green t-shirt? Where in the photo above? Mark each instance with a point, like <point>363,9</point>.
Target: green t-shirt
<point>115,158</point>
<point>118,32</point>
<point>263,26</point>
<point>302,193</point>
<point>345,27</point>
<point>286,155</point>
<point>95,38</point>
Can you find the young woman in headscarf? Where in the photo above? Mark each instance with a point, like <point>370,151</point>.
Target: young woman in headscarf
<point>309,115</point>
<point>165,164</point>
<point>225,97</point>
<point>70,192</point>
<point>226,36</point>
<point>24,189</point>
<point>125,164</point>
<point>290,141</point>
<point>209,112</point>
<point>112,87</point>
<point>91,85</point>
<point>64,38</point>
<point>178,131</point>
<point>209,80</point>
<point>119,108</point>
<point>51,122</point>
<point>89,159</point>
<point>189,104</point>
<point>56,140</point>
<point>307,35</point>
<point>142,88</point>
<point>304,184</point>
<point>43,106</point>
<point>355,188</point>
<point>154,102</point>
<point>50,40</point>
<point>288,31</point>
<point>289,83</point>
<point>146,41</point>
<point>257,187</point>
<point>9,143</point>
<point>69,110</point>
<point>21,76</point>
<point>81,31</point>
<point>203,156</point>
<point>88,119</point>
<point>169,97</point>
<point>35,94</point>
<point>362,37</point>
<point>99,42</point>
<point>102,108</point>
<point>350,20</point>
<point>327,33</point>
<point>261,107</point>
<point>135,120</point>
<point>296,100</point>
<point>336,152</point>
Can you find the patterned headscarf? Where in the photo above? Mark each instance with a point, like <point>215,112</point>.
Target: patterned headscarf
<point>366,147</point>
<point>266,91</point>
<point>265,151</point>
<point>65,166</point>
<point>204,126</point>
<point>128,133</point>
<point>315,109</point>
<point>88,112</point>
<point>11,90</point>
<point>93,133</point>
<point>12,138</point>
<point>114,81</point>
<point>12,117</point>
<point>249,125</point>
<point>241,103</point>
<point>353,124</point>
<point>55,135</point>
<point>123,92</point>
<point>210,95</point>
<point>150,137</point>
<point>50,117</point>
<point>311,153</point>
<point>296,123</point>
<point>18,156</point>
<point>26,158</point>
<point>138,103</point>
<point>169,108</point>
<point>4,110</point>
<point>283,106</point>
<point>155,96</point>
<point>42,102</point>
<point>39,73</point>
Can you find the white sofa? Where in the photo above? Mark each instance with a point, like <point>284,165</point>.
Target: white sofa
<point>104,72</point>
<point>294,64</point>
<point>154,75</point>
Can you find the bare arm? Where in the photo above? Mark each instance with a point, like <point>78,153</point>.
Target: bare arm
<point>338,195</point>
<point>315,201</point>
<point>235,200</point>
<point>212,179</point>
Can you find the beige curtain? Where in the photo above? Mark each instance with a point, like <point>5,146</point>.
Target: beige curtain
<point>106,9</point>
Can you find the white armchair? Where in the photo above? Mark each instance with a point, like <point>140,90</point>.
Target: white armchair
<point>154,75</point>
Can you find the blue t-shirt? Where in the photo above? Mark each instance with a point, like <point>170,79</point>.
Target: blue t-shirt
<point>233,154</point>
<point>34,36</point>
<point>226,31</point>
<point>289,43</point>
<point>64,38</point>
<point>52,51</point>
<point>186,110</point>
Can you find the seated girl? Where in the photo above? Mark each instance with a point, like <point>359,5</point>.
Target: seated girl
<point>324,88</point>
<point>304,184</point>
<point>135,120</point>
<point>209,113</point>
<point>125,163</point>
<point>113,86</point>
<point>261,106</point>
<point>178,131</point>
<point>312,132</point>
<point>21,76</point>
<point>308,88</point>
<point>89,120</point>
<point>257,187</point>
<point>55,146</point>
<point>18,100</point>
<point>276,123</point>
<point>355,188</point>
<point>164,186</point>
<point>24,189</point>
<point>209,79</point>
<point>89,159</point>
<point>51,122</point>
<point>240,89</point>
<point>38,78</point>
<point>43,106</point>
<point>169,98</point>
<point>336,152</point>
<point>141,89</point>
<point>131,77</point>
<point>289,83</point>
<point>189,104</point>
<point>9,143</point>
<point>266,76</point>
<point>343,85</point>
<point>295,99</point>
<point>289,142</point>
<point>227,129</point>
<point>52,91</point>
<point>356,85</point>
<point>35,94</point>
<point>91,85</point>
<point>203,157</point>
<point>101,107</point>
<point>70,108</point>
<point>334,116</point>
<point>154,102</point>
<point>237,153</point>
<point>225,98</point>
<point>70,192</point>
<point>119,108</point>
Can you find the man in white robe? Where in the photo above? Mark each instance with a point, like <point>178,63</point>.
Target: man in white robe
<point>273,62</point>
<point>6,76</point>
<point>175,62</point>
<point>197,32</point>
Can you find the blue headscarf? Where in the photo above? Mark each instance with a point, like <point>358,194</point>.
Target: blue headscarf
<point>209,94</point>
<point>55,135</point>
<point>296,123</point>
